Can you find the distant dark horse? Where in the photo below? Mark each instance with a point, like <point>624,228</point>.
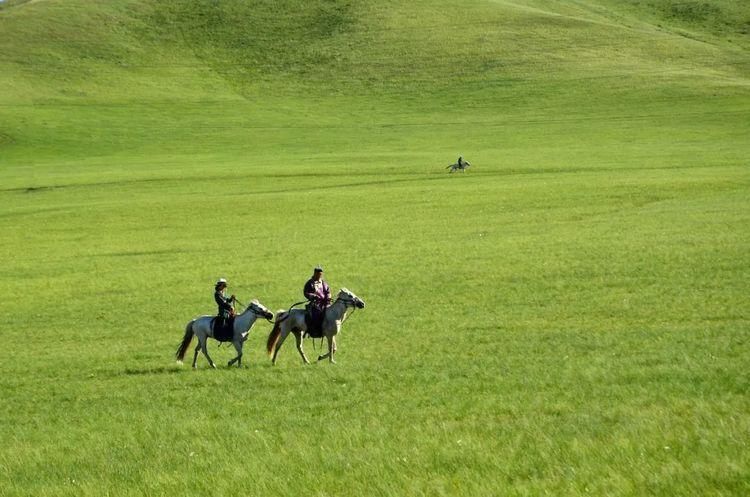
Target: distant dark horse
<point>201,327</point>
<point>461,165</point>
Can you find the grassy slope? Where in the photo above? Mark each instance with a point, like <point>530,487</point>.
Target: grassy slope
<point>515,64</point>
<point>569,317</point>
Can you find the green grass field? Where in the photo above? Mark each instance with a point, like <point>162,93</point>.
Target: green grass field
<point>569,317</point>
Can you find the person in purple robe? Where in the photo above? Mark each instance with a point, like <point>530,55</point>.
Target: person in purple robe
<point>318,293</point>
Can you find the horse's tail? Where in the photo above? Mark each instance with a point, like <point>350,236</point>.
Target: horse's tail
<point>180,355</point>
<point>273,337</point>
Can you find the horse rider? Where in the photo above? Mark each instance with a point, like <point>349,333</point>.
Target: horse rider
<point>318,293</point>
<point>460,162</point>
<point>226,304</point>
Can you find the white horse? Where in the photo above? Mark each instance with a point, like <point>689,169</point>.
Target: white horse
<point>293,321</point>
<point>458,167</point>
<point>201,327</point>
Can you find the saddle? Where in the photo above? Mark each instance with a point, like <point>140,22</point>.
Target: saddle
<point>223,332</point>
<point>314,325</point>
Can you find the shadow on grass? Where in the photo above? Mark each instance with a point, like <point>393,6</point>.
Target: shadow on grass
<point>438,173</point>
<point>140,253</point>
<point>184,369</point>
<point>153,371</point>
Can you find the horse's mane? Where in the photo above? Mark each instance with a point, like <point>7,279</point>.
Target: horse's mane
<point>254,301</point>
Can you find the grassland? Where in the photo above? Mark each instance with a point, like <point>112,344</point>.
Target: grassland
<point>570,317</point>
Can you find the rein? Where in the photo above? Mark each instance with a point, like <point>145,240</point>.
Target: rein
<point>290,310</point>
<point>347,303</point>
<point>249,308</point>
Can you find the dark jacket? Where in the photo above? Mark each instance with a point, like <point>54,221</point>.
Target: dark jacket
<point>226,309</point>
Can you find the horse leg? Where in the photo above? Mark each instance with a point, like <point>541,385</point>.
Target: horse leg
<point>238,347</point>
<point>205,353</point>
<point>284,334</point>
<point>321,357</point>
<point>298,338</point>
<point>195,356</point>
<point>332,349</point>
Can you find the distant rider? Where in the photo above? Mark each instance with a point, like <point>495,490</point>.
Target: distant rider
<point>226,304</point>
<point>318,293</point>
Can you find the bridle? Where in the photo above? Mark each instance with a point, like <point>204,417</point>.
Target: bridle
<point>348,301</point>
<point>253,307</point>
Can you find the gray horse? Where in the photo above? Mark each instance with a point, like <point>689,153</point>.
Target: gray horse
<point>201,327</point>
<point>293,321</point>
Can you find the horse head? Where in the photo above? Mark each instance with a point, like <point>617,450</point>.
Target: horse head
<point>260,310</point>
<point>350,299</point>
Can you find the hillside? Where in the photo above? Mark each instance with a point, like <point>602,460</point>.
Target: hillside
<point>204,75</point>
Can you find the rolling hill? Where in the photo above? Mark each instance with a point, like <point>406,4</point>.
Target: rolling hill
<point>86,79</point>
